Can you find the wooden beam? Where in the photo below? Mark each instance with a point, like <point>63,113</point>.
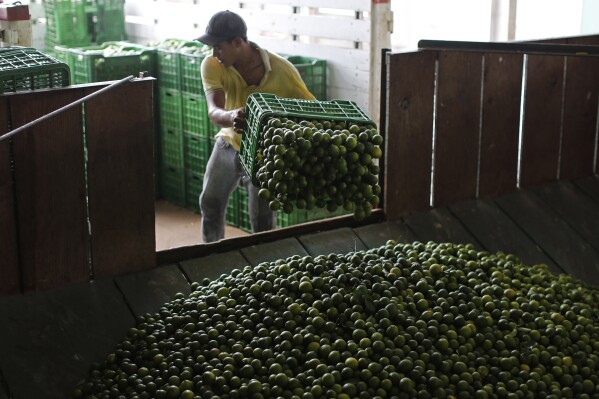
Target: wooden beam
<point>10,278</point>
<point>120,136</point>
<point>500,125</point>
<point>457,127</point>
<point>50,190</point>
<point>542,120</point>
<point>553,48</point>
<point>409,132</point>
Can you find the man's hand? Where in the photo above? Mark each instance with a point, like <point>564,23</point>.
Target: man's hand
<point>238,120</point>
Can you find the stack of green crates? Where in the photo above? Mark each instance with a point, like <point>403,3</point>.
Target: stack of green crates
<point>184,114</point>
<point>79,23</point>
<point>109,20</point>
<point>237,210</point>
<point>24,69</point>
<point>313,72</point>
<point>198,131</point>
<point>66,23</point>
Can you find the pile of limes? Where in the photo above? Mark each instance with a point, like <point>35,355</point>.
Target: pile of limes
<point>402,320</point>
<point>318,164</point>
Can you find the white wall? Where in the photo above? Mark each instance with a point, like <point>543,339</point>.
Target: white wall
<point>339,33</point>
<point>590,17</point>
<point>415,20</point>
<point>488,20</point>
<point>541,19</point>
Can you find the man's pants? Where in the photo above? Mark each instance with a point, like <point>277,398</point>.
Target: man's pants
<point>223,174</point>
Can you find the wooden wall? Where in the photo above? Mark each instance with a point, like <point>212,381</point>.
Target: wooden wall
<point>76,190</point>
<point>465,123</point>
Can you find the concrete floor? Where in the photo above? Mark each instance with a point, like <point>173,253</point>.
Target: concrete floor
<point>180,227</point>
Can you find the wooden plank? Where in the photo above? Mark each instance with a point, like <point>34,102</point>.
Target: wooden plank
<point>592,40</point>
<point>575,207</point>
<point>55,336</point>
<point>213,266</point>
<point>553,47</point>
<point>458,127</point>
<point>580,117</point>
<point>589,185</point>
<point>542,120</point>
<point>568,249</point>
<point>497,232</point>
<point>148,291</point>
<point>409,135</point>
<point>121,179</point>
<point>340,241</point>
<point>9,272</point>
<point>50,190</point>
<point>377,234</point>
<point>500,125</point>
<point>272,251</point>
<point>439,225</point>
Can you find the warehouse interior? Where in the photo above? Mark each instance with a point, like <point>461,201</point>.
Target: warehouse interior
<point>405,23</point>
<point>474,274</point>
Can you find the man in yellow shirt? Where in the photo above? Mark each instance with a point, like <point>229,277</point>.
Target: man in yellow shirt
<point>236,69</point>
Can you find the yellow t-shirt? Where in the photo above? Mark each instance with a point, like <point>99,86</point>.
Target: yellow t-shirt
<point>281,78</point>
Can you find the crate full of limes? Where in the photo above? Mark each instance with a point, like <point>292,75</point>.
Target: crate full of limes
<point>310,154</point>
<point>110,61</point>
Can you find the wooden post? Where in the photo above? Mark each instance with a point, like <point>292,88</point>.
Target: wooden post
<point>381,19</point>
<point>9,271</point>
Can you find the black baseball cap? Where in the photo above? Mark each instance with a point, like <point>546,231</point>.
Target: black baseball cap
<point>223,26</point>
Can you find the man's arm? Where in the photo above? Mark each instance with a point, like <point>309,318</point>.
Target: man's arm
<point>220,116</point>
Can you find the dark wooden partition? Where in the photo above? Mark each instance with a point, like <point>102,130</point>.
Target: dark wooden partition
<point>466,121</point>
<point>81,171</point>
<point>121,180</point>
<point>9,263</point>
<point>502,84</point>
<point>580,117</point>
<point>457,127</point>
<point>409,144</point>
<point>542,119</point>
<point>50,191</point>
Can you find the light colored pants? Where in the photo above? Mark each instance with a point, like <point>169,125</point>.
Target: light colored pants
<point>223,174</point>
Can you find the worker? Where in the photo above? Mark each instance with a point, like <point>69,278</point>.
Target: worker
<point>236,69</point>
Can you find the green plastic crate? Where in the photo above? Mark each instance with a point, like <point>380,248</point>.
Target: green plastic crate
<point>66,23</point>
<point>232,215</point>
<point>168,67</point>
<point>191,60</point>
<point>171,147</point>
<point>197,151</point>
<point>168,54</point>
<point>172,185</point>
<point>314,74</point>
<point>110,21</point>
<point>170,109</point>
<point>261,107</point>
<point>193,189</point>
<point>110,61</point>
<point>243,214</point>
<point>61,53</point>
<point>195,115</point>
<point>24,69</point>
